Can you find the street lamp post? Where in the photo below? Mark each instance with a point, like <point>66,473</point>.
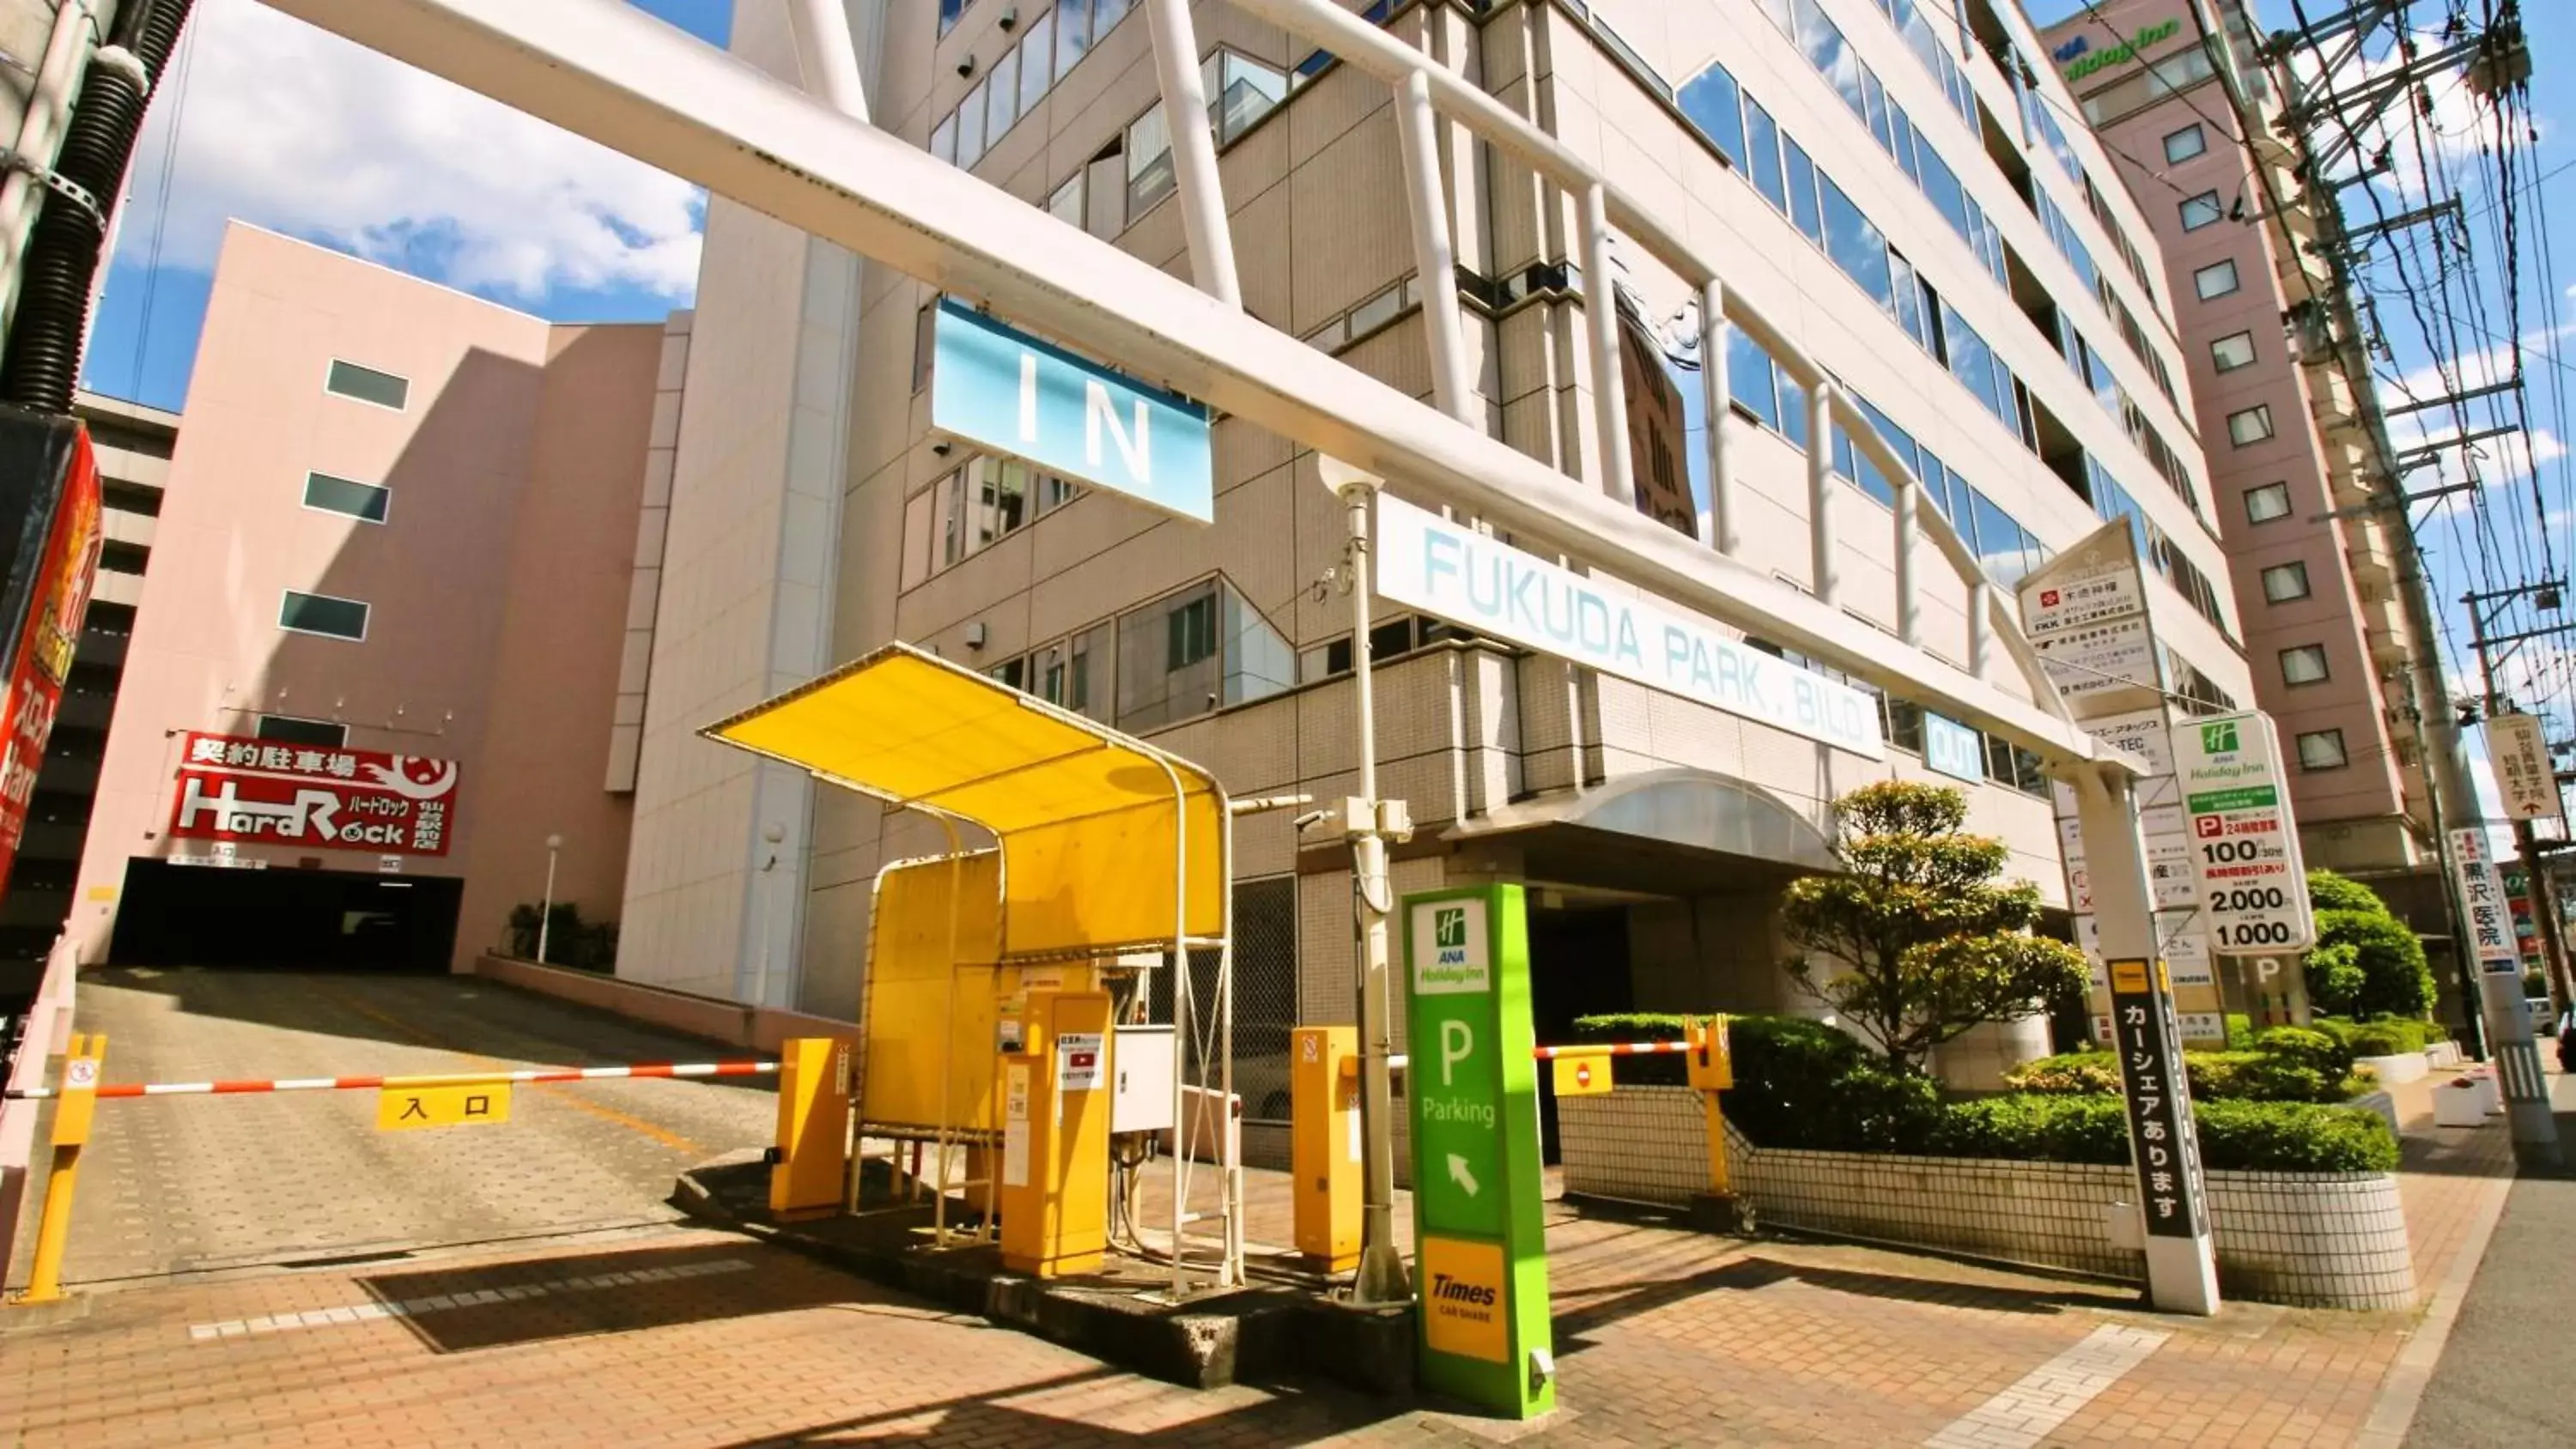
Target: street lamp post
<point>546,904</point>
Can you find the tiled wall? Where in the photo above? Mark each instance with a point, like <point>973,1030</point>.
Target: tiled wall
<point>2327,1240</point>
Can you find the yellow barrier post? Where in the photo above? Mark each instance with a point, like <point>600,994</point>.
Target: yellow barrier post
<point>806,1167</point>
<point>1055,1137</point>
<point>72,1113</point>
<point>1324,1145</point>
<point>1712,1070</point>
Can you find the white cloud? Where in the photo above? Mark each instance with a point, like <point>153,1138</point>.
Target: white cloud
<point>302,132</point>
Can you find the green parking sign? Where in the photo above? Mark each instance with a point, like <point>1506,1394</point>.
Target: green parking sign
<point>1472,1088</point>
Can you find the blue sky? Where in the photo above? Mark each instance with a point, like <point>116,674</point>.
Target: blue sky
<point>280,125</point>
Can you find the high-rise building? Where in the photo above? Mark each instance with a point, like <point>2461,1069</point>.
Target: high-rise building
<point>1952,246</point>
<point>2318,572</point>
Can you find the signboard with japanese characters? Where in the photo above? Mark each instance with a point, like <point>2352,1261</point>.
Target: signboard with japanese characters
<point>2524,775</point>
<point>2085,611</point>
<point>2244,848</point>
<point>2482,894</point>
<point>2167,1155</point>
<point>233,789</point>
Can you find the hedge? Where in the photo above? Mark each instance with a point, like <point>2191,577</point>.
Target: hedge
<point>2382,1036</point>
<point>1803,1084</point>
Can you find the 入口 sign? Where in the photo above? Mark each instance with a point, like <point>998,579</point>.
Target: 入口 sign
<point>402,1109</point>
<point>2244,847</point>
<point>1429,563</point>
<point>233,790</point>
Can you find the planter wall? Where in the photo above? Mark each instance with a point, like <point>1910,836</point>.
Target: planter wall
<point>2325,1240</point>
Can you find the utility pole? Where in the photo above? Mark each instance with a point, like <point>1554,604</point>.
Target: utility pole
<point>1382,1278</point>
<point>2544,896</point>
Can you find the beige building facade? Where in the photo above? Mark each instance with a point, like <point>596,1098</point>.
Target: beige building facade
<point>2327,637</point>
<point>1999,305</point>
<point>395,534</point>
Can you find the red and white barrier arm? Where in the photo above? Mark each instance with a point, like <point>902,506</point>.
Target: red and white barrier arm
<point>528,1076</point>
<point>1606,1048</point>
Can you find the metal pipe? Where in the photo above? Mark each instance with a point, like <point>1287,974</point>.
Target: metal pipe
<point>1382,1277</point>
<point>1180,1025</point>
<point>1981,630</point>
<point>1426,202</point>
<point>1601,322</point>
<point>77,26</point>
<point>1909,602</point>
<point>1185,116</point>
<point>1724,530</point>
<point>1823,551</point>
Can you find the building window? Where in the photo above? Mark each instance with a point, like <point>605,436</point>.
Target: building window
<point>2183,145</point>
<point>2321,750</point>
<point>925,342</point>
<point>362,501</point>
<point>322,614</point>
<point>289,730</point>
<point>367,385</point>
<point>2303,665</point>
<point>1201,649</point>
<point>2251,425</point>
<point>1240,92</point>
<point>2266,503</point>
<point>2215,280</point>
<point>1189,633</point>
<point>1037,62</point>
<point>2284,582</point>
<point>949,10</point>
<point>1069,674</point>
<point>1149,162</point>
<point>1012,672</point>
<point>2232,352</point>
<point>2202,210</point>
<point>1066,204</point>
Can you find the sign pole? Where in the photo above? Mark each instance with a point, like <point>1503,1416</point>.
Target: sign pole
<point>2164,1145</point>
<point>1478,1222</point>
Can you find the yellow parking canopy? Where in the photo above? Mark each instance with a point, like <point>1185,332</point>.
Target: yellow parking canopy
<point>1085,816</point>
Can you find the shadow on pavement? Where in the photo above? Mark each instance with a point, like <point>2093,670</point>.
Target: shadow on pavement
<point>1616,1302</point>
<point>493,1304</point>
<point>1058,1411</point>
<point>465,1014</point>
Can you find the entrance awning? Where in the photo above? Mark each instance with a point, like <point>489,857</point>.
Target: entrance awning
<point>1086,816</point>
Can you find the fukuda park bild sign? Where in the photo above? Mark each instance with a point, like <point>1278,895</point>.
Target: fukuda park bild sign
<point>1444,568</point>
<point>262,791</point>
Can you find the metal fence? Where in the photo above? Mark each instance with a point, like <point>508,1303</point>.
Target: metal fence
<point>1265,996</point>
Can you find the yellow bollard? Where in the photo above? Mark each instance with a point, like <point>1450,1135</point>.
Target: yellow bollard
<point>72,1113</point>
<point>1324,1145</point>
<point>806,1167</point>
<point>1712,1070</point>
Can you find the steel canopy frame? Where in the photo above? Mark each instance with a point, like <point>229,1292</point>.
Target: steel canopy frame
<point>606,71</point>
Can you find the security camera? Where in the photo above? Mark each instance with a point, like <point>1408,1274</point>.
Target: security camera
<point>1310,820</point>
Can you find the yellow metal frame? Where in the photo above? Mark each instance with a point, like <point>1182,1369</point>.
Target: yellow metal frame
<point>1072,805</point>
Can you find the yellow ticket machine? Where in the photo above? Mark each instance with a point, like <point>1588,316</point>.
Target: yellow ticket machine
<point>1324,1145</point>
<point>1055,1136</point>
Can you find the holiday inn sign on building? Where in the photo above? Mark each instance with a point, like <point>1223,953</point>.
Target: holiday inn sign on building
<point>2081,59</point>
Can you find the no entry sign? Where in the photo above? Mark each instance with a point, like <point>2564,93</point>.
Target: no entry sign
<point>2244,849</point>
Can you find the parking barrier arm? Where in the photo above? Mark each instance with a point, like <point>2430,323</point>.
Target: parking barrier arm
<point>638,1070</point>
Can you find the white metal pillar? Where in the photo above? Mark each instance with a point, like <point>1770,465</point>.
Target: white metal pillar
<point>1981,627</point>
<point>1724,526</point>
<point>1185,115</point>
<point>1909,602</point>
<point>2182,1266</point>
<point>1435,261</point>
<point>827,57</point>
<point>1601,321</point>
<point>1824,549</point>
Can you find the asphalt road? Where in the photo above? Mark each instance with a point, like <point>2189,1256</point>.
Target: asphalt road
<point>2507,1377</point>
<point>177,1185</point>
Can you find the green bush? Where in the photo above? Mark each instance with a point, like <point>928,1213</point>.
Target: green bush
<point>2257,1077</point>
<point>2240,1031</point>
<point>2094,1072</point>
<point>2381,1036</point>
<point>2033,1128</point>
<point>1801,1083</point>
<point>1617,1026</point>
<point>2293,1137</point>
<point>2366,961</point>
<point>2306,1047</point>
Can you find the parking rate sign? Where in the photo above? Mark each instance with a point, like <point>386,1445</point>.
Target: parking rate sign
<point>2244,846</point>
<point>1472,1087</point>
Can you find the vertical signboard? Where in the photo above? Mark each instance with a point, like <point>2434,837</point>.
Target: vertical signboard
<point>1472,1084</point>
<point>52,493</point>
<point>2253,883</point>
<point>2159,1100</point>
<point>2524,775</point>
<point>2482,891</point>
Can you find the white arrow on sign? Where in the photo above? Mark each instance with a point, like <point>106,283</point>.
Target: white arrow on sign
<point>1459,1174</point>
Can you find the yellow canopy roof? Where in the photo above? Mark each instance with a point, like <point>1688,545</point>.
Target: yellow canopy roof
<point>1085,815</point>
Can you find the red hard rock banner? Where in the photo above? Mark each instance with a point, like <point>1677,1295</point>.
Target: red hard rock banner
<point>332,799</point>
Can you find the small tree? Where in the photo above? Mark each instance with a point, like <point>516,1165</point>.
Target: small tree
<point>1926,943</point>
<point>2366,961</point>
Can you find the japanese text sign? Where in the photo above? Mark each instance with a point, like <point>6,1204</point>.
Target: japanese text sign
<point>2524,774</point>
<point>402,1109</point>
<point>2482,896</point>
<point>2244,847</point>
<point>2163,1144</point>
<point>234,789</point>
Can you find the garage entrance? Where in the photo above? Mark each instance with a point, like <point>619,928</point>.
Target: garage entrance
<point>310,920</point>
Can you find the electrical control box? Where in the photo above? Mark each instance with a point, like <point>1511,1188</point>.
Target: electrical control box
<point>1141,1096</point>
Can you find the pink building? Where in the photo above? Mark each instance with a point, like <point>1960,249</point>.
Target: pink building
<point>2326,633</point>
<point>375,660</point>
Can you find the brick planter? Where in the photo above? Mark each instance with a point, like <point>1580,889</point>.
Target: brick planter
<point>2329,1240</point>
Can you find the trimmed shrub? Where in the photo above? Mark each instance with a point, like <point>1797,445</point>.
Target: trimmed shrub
<point>2381,1036</point>
<point>2033,1128</point>
<point>2293,1137</point>
<point>2067,1073</point>
<point>2383,971</point>
<point>2306,1047</point>
<point>2240,1032</point>
<point>1618,1026</point>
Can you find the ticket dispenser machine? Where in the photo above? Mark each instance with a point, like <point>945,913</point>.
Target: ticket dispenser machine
<point>1055,1136</point>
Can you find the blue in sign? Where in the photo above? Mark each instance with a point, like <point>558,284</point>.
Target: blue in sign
<point>999,387</point>
<point>1952,748</point>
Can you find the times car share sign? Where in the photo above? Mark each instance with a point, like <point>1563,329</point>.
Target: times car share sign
<point>336,799</point>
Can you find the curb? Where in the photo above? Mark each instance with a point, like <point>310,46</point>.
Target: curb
<point>2392,1413</point>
